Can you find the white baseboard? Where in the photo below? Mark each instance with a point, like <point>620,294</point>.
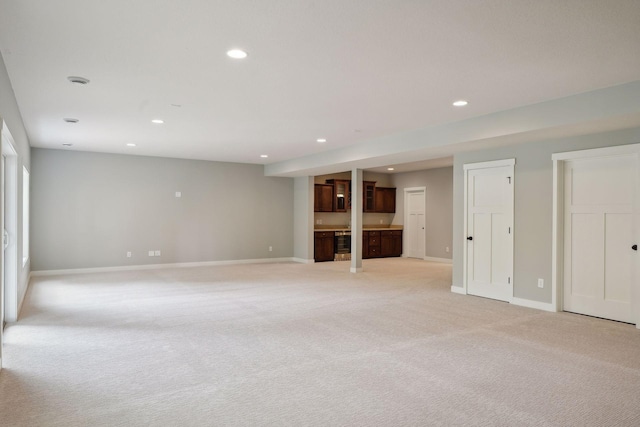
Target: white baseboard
<point>443,260</point>
<point>157,266</point>
<point>303,260</point>
<point>545,306</point>
<point>458,290</point>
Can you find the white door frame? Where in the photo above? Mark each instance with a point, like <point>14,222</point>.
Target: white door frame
<point>10,223</point>
<point>557,250</point>
<point>405,240</point>
<point>485,165</point>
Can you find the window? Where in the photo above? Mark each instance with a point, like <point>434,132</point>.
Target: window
<point>25,216</point>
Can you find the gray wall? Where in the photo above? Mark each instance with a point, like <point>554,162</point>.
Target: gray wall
<point>89,209</point>
<point>533,205</point>
<point>10,114</point>
<point>439,211</point>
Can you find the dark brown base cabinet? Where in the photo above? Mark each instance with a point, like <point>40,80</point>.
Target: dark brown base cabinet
<point>323,243</point>
<point>381,244</point>
<point>375,244</point>
<point>391,243</point>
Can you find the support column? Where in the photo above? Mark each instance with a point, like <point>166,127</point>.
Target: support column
<point>303,217</point>
<point>356,220</point>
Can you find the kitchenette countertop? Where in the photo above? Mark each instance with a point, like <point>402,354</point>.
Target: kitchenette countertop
<point>366,227</point>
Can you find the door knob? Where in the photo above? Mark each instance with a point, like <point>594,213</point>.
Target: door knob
<point>634,247</point>
<point>470,238</point>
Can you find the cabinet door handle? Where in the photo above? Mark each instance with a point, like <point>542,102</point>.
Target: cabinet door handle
<point>634,247</point>
<point>470,238</point>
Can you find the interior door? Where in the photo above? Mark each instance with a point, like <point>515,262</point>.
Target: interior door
<point>599,235</point>
<point>415,233</point>
<point>489,225</point>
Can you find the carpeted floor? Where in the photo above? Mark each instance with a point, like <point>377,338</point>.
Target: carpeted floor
<point>307,345</point>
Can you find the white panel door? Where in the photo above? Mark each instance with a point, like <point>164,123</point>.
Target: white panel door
<point>599,235</point>
<point>415,232</point>
<point>489,225</point>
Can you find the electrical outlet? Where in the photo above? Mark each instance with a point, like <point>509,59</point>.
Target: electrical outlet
<point>270,248</point>
<point>178,194</point>
<point>541,283</point>
<point>319,222</point>
<point>157,253</point>
<point>128,254</point>
<point>151,253</point>
<point>447,249</point>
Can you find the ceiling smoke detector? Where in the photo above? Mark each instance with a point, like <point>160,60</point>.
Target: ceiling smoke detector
<point>70,120</point>
<point>78,80</point>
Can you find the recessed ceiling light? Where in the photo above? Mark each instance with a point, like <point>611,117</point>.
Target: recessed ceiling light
<point>321,140</point>
<point>460,103</point>
<point>131,145</point>
<point>236,54</point>
<point>390,169</point>
<point>157,121</point>
<point>70,120</point>
<point>264,156</point>
<point>176,105</point>
<point>66,144</point>
<point>78,80</point>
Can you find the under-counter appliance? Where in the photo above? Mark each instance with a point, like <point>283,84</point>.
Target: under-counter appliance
<point>342,246</point>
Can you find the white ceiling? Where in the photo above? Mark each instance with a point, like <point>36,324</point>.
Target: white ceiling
<point>348,71</point>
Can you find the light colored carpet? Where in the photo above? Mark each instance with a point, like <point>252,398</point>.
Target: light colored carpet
<point>307,345</point>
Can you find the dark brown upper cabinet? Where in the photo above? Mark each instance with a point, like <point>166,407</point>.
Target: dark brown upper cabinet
<point>323,198</point>
<point>369,196</point>
<point>385,200</point>
<point>341,194</point>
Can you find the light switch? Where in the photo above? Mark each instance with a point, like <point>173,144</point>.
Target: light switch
<point>178,194</point>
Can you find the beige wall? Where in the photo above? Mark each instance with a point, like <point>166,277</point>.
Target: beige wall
<point>89,209</point>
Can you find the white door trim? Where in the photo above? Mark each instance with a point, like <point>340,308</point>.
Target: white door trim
<point>10,223</point>
<point>557,249</point>
<point>405,239</point>
<point>485,165</point>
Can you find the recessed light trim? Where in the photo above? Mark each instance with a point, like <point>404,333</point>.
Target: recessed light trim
<point>157,121</point>
<point>236,54</point>
<point>77,80</point>
<point>67,144</point>
<point>131,144</point>
<point>460,103</point>
<point>390,169</point>
<point>70,120</point>
<point>264,156</point>
<point>321,140</point>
